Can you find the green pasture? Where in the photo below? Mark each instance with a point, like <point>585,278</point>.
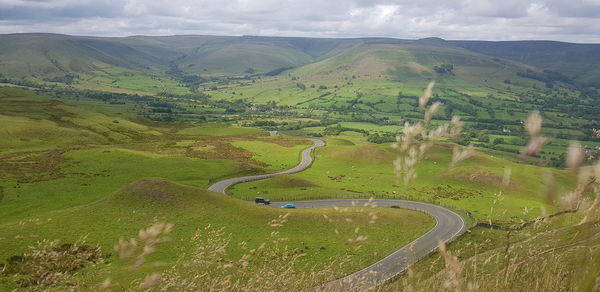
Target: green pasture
<point>350,167</point>
<point>277,157</point>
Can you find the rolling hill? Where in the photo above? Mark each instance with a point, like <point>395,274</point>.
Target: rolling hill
<point>43,55</point>
<point>577,61</point>
<point>48,55</point>
<point>187,63</point>
<point>492,85</point>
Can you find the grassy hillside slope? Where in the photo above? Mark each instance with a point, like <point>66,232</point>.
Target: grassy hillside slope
<point>558,254</point>
<point>149,200</point>
<point>68,171</point>
<point>351,167</point>
<point>577,61</point>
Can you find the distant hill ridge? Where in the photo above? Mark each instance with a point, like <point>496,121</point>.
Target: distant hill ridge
<point>42,55</point>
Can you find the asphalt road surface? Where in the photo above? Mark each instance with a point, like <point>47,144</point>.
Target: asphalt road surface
<point>449,225</point>
<point>305,161</point>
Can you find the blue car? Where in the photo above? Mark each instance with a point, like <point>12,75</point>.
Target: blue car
<point>289,206</point>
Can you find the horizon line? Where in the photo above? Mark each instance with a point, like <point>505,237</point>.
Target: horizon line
<point>432,38</point>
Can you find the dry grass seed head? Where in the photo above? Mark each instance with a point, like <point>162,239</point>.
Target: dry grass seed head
<point>255,271</point>
<point>549,187</point>
<point>533,125</point>
<point>150,281</point>
<point>575,155</point>
<point>534,146</point>
<point>279,221</point>
<point>147,241</point>
<point>585,177</point>
<point>573,199</point>
<point>409,135</point>
<point>456,126</point>
<point>453,280</point>
<point>107,283</point>
<point>432,111</point>
<point>506,176</point>
<point>459,155</point>
<point>443,130</point>
<point>426,95</point>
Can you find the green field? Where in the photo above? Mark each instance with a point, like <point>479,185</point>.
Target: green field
<point>276,156</point>
<point>349,166</point>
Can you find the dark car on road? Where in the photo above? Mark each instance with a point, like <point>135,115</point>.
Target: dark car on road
<point>262,201</point>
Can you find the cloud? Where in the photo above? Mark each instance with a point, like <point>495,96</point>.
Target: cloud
<point>575,8</point>
<point>575,20</point>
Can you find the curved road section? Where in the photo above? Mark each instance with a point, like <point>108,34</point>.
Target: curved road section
<point>449,225</point>
<point>305,161</point>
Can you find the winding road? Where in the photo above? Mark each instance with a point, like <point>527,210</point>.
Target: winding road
<point>449,225</point>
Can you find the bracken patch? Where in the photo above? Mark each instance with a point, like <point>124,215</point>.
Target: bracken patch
<point>224,150</point>
<point>49,263</point>
<point>290,182</point>
<point>478,175</point>
<point>448,192</point>
<point>367,153</point>
<point>155,190</point>
<point>34,166</point>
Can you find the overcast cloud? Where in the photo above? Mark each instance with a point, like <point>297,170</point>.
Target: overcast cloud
<point>572,20</point>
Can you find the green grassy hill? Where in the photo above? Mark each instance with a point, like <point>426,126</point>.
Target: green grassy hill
<point>351,167</point>
<point>53,56</point>
<point>70,171</point>
<point>180,64</point>
<point>49,55</point>
<point>413,63</point>
<point>32,122</point>
<point>241,58</point>
<point>46,54</point>
<point>577,61</point>
<point>148,200</point>
<point>96,165</point>
<point>527,259</point>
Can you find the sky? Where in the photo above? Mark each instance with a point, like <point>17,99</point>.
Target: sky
<point>562,20</point>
